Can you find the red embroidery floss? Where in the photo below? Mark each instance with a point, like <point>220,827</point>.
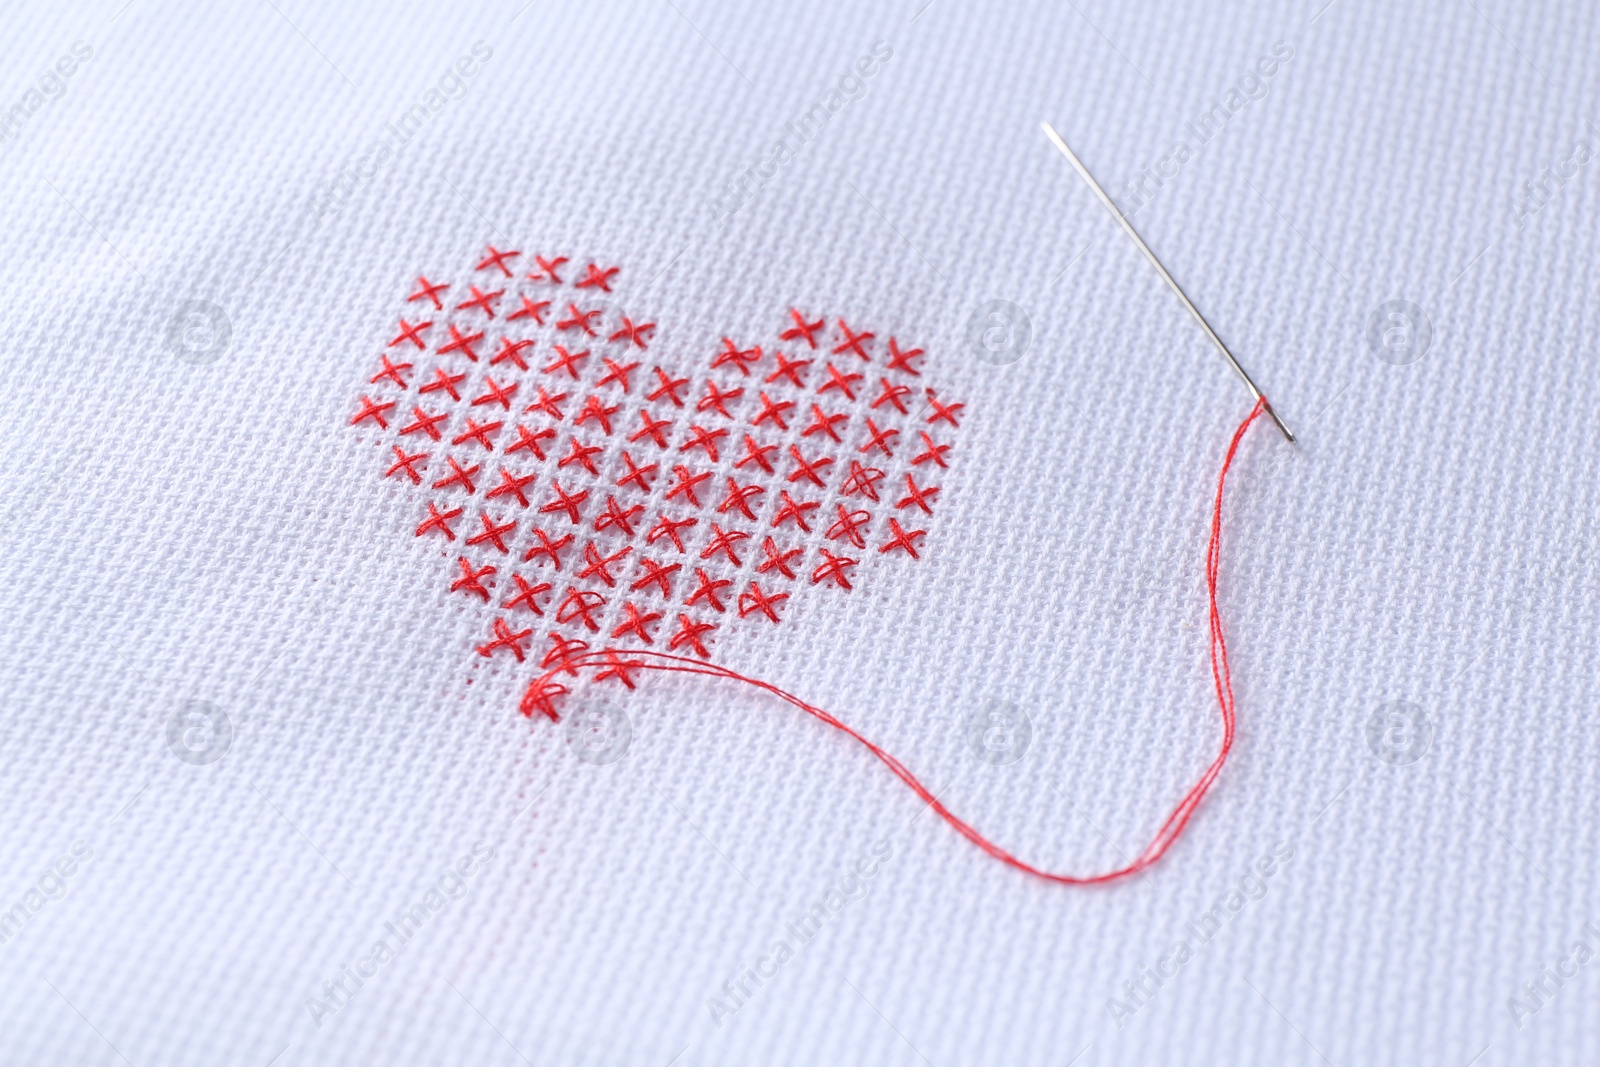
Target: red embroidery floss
<point>571,657</point>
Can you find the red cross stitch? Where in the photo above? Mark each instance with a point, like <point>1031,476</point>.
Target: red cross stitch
<point>940,411</point>
<point>426,290</point>
<point>777,559</point>
<point>477,433</point>
<point>668,388</point>
<point>833,570</point>
<point>702,438</point>
<point>390,371</point>
<point>566,502</point>
<point>789,369</point>
<point>614,666</point>
<point>504,637</point>
<point>580,320</point>
<point>755,600</point>
<point>853,342</point>
<point>652,429</point>
<point>808,470</point>
<point>716,398</point>
<point>580,606</point>
<point>600,566</point>
<point>905,541</point>
<point>892,394</point>
<point>633,334</point>
<point>493,533</point>
<point>529,441</point>
<point>689,632</point>
<point>597,278</point>
<point>773,410</point>
<point>935,453</point>
<point>739,497</point>
<point>863,480</point>
<point>561,654</point>
<point>655,574</point>
<point>446,382</point>
<point>547,547</point>
<point>638,475</point>
<point>667,527</point>
<point>840,381</point>
<point>824,423</point>
<point>496,394</point>
<point>511,350</point>
<point>616,372</point>
<point>880,439</point>
<point>471,581</point>
<point>460,477</point>
<point>707,591</point>
<point>583,455</point>
<point>481,299</point>
<point>411,333</point>
<point>530,309</point>
<point>511,485</point>
<point>636,623</point>
<point>849,527</point>
<point>686,483</point>
<point>372,409</point>
<point>794,509</point>
<point>566,361</point>
<point>546,403</point>
<point>525,595</point>
<point>731,355</point>
<point>723,541</point>
<point>615,517</point>
<point>403,462</point>
<point>801,329</point>
<point>919,496</point>
<point>757,454</point>
<point>462,343</point>
<point>425,423</point>
<point>593,411</point>
<point>439,521</point>
<point>548,267</point>
<point>497,258</point>
<point>702,488</point>
<point>899,360</point>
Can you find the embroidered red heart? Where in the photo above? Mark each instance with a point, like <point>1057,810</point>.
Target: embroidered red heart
<point>592,480</point>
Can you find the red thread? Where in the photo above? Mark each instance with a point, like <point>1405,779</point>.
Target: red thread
<point>426,290</point>
<point>549,268</point>
<point>462,343</point>
<point>530,309</point>
<point>853,342</point>
<point>802,329</point>
<point>403,462</point>
<point>572,656</point>
<point>497,258</point>
<point>899,360</point>
<point>633,334</point>
<point>481,299</point>
<point>598,278</point>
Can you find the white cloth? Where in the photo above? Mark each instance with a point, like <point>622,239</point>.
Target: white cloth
<point>181,531</point>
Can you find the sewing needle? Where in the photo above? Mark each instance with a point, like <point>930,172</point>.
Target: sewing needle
<point>1127,227</point>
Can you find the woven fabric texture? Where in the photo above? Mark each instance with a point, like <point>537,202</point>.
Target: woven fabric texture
<point>1388,210</point>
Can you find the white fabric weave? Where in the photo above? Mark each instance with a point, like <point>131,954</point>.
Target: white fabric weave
<point>215,531</point>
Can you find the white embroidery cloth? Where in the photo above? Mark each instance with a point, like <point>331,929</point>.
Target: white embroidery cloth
<point>1415,580</point>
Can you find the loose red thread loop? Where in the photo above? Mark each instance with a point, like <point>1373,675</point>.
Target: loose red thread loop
<point>570,657</point>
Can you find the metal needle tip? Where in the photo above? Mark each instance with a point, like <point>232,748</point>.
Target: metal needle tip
<point>1127,227</point>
